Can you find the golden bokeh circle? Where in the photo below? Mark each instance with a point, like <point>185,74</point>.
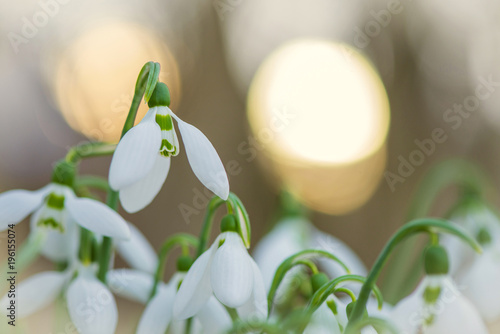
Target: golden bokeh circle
<point>320,114</point>
<point>95,76</point>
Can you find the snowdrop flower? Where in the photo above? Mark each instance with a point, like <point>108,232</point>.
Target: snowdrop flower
<point>157,318</point>
<point>292,235</point>
<point>479,274</point>
<point>37,292</point>
<point>227,271</point>
<point>91,305</point>
<point>55,210</point>
<point>142,158</point>
<point>437,307</point>
<point>212,318</point>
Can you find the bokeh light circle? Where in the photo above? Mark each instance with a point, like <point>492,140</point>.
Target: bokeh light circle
<point>320,113</point>
<point>95,76</point>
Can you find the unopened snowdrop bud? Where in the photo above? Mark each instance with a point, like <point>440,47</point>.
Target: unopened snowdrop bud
<point>87,292</point>
<point>141,160</point>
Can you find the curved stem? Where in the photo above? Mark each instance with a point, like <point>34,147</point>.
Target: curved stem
<point>327,289</point>
<point>456,172</point>
<point>181,239</point>
<point>347,292</point>
<point>150,70</point>
<point>92,181</point>
<point>428,225</point>
<point>307,263</point>
<point>89,150</point>
<point>290,262</point>
<point>213,205</point>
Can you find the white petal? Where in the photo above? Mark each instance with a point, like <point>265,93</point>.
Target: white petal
<point>285,239</point>
<point>97,217</point>
<point>15,205</point>
<point>451,313</point>
<point>204,159</point>
<point>480,285</point>
<point>138,252</point>
<point>195,288</point>
<point>140,194</point>
<point>338,248</point>
<point>323,322</point>
<point>158,313</point>
<point>136,153</point>
<point>256,306</point>
<point>214,318</point>
<point>58,246</point>
<point>131,284</point>
<point>456,315</point>
<point>91,306</point>
<point>231,273</point>
<point>35,293</point>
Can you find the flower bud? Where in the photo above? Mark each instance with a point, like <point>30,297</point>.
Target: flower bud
<point>184,263</point>
<point>160,97</point>
<point>436,260</point>
<point>318,280</point>
<point>228,224</point>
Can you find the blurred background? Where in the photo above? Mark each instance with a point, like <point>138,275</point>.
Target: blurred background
<point>343,103</point>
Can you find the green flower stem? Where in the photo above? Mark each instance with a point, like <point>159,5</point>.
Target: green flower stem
<point>92,181</point>
<point>309,264</point>
<point>145,85</point>
<point>327,289</point>
<point>146,82</point>
<point>427,225</point>
<point>106,248</point>
<point>85,252</point>
<point>206,230</point>
<point>347,292</point>
<point>232,313</point>
<point>89,150</point>
<point>181,239</point>
<point>403,271</point>
<point>289,263</point>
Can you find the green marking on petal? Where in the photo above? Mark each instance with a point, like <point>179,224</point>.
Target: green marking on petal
<point>167,149</point>
<point>51,223</point>
<point>164,121</point>
<point>431,294</point>
<point>55,201</point>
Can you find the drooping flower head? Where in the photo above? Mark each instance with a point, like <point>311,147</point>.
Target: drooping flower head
<point>227,272</point>
<point>56,210</point>
<point>437,306</point>
<point>141,161</point>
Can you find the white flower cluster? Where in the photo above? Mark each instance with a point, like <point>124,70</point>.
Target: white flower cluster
<point>223,289</point>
